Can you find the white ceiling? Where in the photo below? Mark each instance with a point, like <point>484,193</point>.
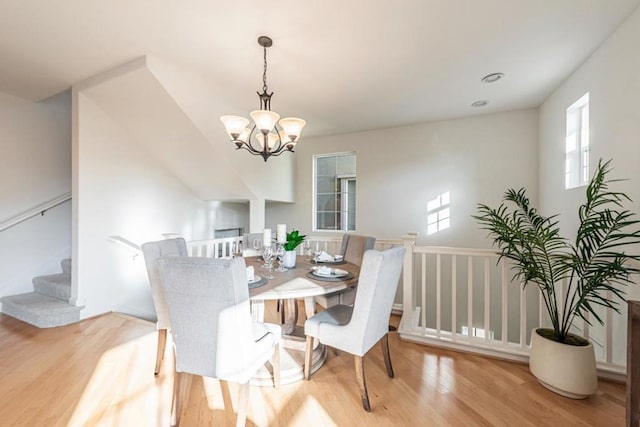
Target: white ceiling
<point>343,65</point>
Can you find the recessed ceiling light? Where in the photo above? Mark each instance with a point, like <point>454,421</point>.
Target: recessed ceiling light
<point>491,78</point>
<point>481,103</point>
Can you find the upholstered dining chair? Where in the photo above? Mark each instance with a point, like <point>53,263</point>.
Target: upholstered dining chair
<point>152,251</point>
<point>353,248</point>
<point>355,329</point>
<point>212,329</point>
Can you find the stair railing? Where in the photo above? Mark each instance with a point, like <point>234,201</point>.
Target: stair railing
<point>464,299</point>
<point>37,210</point>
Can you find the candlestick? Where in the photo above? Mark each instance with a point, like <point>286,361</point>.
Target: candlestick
<point>266,237</point>
<point>281,233</point>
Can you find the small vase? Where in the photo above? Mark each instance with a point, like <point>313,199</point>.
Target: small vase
<point>289,259</point>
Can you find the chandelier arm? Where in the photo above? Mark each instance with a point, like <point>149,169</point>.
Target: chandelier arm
<point>249,143</point>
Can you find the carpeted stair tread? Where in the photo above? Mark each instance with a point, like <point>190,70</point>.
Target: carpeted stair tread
<point>53,285</point>
<point>40,310</point>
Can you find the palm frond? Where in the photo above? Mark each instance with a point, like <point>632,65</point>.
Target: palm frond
<point>595,267</point>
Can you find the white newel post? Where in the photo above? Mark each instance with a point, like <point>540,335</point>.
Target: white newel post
<point>409,242</point>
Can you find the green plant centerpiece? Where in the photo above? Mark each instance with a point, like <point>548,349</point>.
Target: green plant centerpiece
<point>293,241</point>
<point>594,268</point>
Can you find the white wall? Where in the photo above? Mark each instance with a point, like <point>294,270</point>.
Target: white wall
<point>612,78</point>
<point>120,190</point>
<point>400,169</point>
<point>35,167</point>
<point>271,180</point>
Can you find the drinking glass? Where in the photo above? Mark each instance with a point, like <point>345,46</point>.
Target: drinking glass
<point>306,245</point>
<point>279,253</point>
<point>257,244</point>
<point>316,252</point>
<point>267,254</point>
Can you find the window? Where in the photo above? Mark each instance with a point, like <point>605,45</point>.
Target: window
<point>577,144</point>
<point>334,187</point>
<point>438,213</point>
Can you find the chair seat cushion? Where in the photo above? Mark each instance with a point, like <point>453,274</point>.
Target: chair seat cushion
<point>338,315</point>
<point>345,297</point>
<point>265,336</point>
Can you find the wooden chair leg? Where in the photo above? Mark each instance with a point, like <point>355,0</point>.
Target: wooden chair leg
<point>280,309</point>
<point>362,383</point>
<point>387,357</point>
<point>181,387</point>
<point>243,405</point>
<point>275,363</point>
<point>162,343</point>
<point>308,351</point>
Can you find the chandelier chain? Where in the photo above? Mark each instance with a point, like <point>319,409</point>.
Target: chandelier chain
<point>264,74</point>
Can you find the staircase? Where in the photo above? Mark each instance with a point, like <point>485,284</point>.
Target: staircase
<point>48,306</point>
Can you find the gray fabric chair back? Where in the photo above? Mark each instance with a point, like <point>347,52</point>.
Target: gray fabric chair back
<point>377,287</point>
<point>152,251</point>
<point>208,301</point>
<point>354,247</point>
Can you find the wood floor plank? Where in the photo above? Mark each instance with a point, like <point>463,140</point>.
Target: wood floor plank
<point>99,372</point>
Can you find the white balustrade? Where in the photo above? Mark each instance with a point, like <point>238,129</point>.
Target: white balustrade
<point>465,299</point>
<point>214,248</point>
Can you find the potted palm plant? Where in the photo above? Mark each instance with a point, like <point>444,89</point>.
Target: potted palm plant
<point>293,241</point>
<point>594,269</point>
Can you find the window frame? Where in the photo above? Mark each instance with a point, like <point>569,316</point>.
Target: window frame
<point>576,161</point>
<point>343,195</point>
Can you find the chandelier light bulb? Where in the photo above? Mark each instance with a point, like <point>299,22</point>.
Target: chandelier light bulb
<point>234,125</point>
<point>292,128</point>
<point>265,120</point>
<point>272,139</point>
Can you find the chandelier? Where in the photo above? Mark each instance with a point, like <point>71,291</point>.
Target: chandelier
<point>270,139</point>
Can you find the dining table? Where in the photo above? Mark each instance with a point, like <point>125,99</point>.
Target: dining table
<point>302,282</point>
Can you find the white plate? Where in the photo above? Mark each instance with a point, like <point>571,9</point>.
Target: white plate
<point>256,278</point>
<point>333,272</point>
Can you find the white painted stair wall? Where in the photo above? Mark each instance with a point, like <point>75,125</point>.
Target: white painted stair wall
<point>142,167</point>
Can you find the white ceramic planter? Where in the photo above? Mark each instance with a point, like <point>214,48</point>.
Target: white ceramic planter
<point>289,259</point>
<point>564,369</point>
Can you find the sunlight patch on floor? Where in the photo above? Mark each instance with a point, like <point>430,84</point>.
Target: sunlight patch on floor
<point>118,386</point>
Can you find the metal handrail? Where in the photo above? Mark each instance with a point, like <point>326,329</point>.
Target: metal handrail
<point>40,209</point>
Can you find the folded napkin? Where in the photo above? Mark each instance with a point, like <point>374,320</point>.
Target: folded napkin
<point>324,270</point>
<point>250,274</point>
<point>324,257</point>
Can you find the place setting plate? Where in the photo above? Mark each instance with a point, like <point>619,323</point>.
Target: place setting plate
<point>329,274</point>
<point>328,262</point>
<point>342,261</point>
<point>257,282</point>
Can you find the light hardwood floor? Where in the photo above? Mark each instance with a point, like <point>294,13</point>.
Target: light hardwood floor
<point>100,372</point>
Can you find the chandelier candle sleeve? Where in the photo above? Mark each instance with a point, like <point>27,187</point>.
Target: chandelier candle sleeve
<point>281,233</point>
<point>266,237</point>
